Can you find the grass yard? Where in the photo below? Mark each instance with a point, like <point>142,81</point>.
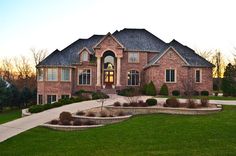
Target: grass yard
<point>199,97</point>
<point>156,134</point>
<point>9,115</point>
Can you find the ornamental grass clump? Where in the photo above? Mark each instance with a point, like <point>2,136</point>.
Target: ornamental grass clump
<point>204,102</point>
<point>172,102</point>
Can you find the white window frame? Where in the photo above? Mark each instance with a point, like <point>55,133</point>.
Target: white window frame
<point>40,77</point>
<point>81,71</point>
<point>175,76</point>
<point>195,74</point>
<point>50,71</point>
<point>62,76</point>
<point>130,54</point>
<point>131,80</point>
<point>83,57</point>
<point>52,98</point>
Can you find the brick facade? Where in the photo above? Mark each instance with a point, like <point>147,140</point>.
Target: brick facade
<point>156,72</point>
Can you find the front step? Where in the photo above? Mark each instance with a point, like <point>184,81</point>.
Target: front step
<point>109,91</point>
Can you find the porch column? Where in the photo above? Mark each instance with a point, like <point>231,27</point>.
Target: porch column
<point>118,72</point>
<point>98,71</point>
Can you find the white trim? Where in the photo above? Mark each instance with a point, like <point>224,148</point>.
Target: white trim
<point>175,75</point>
<point>78,77</point>
<point>85,49</point>
<point>174,51</point>
<point>195,70</point>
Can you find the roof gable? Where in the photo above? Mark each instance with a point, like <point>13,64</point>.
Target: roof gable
<point>110,39</point>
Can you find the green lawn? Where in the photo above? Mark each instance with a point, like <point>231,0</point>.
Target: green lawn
<point>156,134</point>
<point>9,115</point>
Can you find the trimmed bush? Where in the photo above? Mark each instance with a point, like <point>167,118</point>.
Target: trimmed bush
<point>151,102</point>
<point>80,113</point>
<point>175,92</point>
<point>191,103</point>
<point>125,105</point>
<point>48,106</point>
<point>127,91</point>
<point>120,113</point>
<point>54,122</point>
<point>103,114</point>
<point>91,114</point>
<point>204,102</point>
<point>36,108</point>
<point>99,95</point>
<point>65,122</point>
<point>141,103</point>
<point>196,93</point>
<point>65,116</point>
<point>134,104</point>
<point>150,89</point>
<point>89,122</point>
<point>164,90</point>
<point>77,122</point>
<point>172,102</point>
<point>204,93</point>
<point>117,104</point>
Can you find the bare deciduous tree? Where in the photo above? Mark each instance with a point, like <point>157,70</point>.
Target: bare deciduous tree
<point>188,84</point>
<point>218,61</point>
<point>23,67</point>
<point>205,54</point>
<point>38,55</point>
<point>7,69</point>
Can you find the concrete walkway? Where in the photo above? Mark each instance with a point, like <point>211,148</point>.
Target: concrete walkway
<point>20,125</point>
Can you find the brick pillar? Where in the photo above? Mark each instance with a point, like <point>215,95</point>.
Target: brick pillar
<point>98,71</point>
<point>118,72</point>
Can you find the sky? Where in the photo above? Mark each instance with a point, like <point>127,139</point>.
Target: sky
<point>54,24</point>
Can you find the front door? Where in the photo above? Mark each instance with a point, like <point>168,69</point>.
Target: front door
<point>108,78</point>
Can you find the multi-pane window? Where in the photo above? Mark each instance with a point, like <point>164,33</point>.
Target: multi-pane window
<point>84,56</point>
<point>51,98</point>
<point>133,57</point>
<point>84,76</point>
<point>133,78</point>
<point>170,75</point>
<point>40,99</point>
<point>65,74</point>
<point>52,74</point>
<point>40,74</point>
<point>65,96</point>
<point>198,76</point>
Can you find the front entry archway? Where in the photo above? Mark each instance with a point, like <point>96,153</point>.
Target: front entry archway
<point>108,69</point>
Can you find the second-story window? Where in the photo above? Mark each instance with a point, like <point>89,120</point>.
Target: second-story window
<point>133,57</point>
<point>40,74</point>
<point>84,56</point>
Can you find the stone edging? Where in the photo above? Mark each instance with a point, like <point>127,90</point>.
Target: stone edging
<point>103,120</point>
<point>167,110</point>
<point>25,112</point>
<point>70,127</point>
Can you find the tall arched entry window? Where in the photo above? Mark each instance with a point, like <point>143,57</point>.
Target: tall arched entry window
<point>108,69</point>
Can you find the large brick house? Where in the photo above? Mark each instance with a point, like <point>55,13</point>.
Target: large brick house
<point>130,57</point>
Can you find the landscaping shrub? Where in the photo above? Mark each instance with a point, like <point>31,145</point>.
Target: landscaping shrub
<point>150,89</point>
<point>80,92</point>
<point>144,88</point>
<point>36,108</point>
<point>204,93</point>
<point>133,104</point>
<point>125,105</point>
<point>48,106</point>
<point>120,113</point>
<point>126,91</point>
<point>172,102</point>
<point>117,104</point>
<point>175,92</point>
<point>204,102</point>
<point>191,103</point>
<point>164,90</point>
<point>141,103</point>
<point>77,122</point>
<point>80,113</point>
<point>54,122</point>
<point>151,102</point>
<point>91,114</point>
<point>103,114</point>
<point>89,122</point>
<point>195,93</point>
<point>65,122</point>
<point>99,95</point>
<point>65,116</point>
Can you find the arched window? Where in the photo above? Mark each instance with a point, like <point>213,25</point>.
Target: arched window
<point>84,56</point>
<point>133,78</point>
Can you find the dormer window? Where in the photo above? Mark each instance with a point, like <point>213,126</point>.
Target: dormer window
<point>84,56</point>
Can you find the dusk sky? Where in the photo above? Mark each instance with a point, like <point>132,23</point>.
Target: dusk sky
<point>54,24</point>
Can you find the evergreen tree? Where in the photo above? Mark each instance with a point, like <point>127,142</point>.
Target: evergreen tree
<point>229,80</point>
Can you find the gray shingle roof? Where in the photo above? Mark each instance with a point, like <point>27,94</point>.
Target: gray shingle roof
<point>131,39</point>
